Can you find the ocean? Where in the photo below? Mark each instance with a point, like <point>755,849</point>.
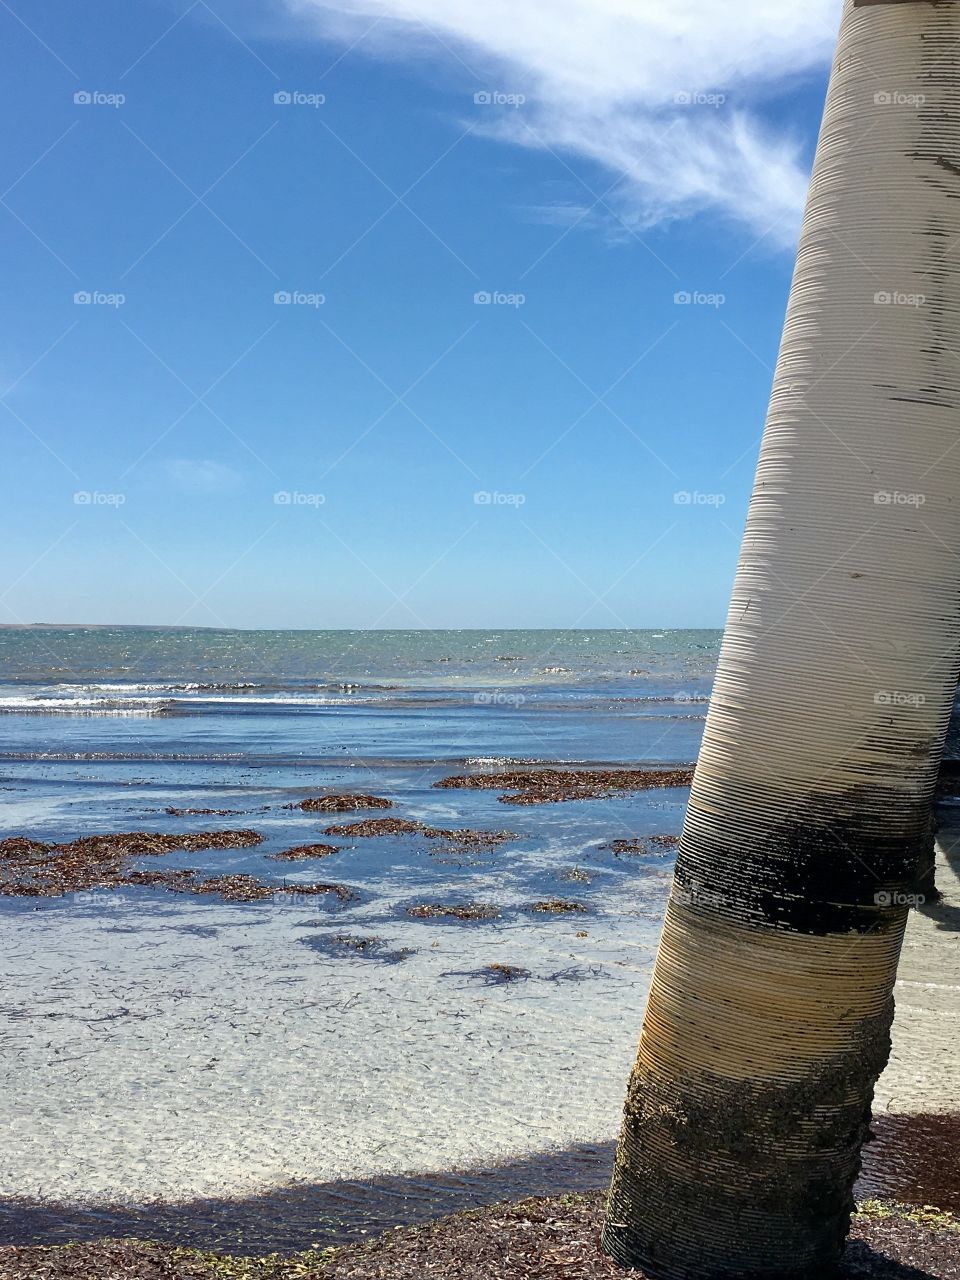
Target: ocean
<point>176,1046</point>
<point>92,721</point>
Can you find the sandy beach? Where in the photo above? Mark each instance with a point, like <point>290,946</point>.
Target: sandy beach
<point>203,1049</point>
<point>212,1050</point>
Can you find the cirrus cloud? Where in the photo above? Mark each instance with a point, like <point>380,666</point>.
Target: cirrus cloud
<point>606,80</point>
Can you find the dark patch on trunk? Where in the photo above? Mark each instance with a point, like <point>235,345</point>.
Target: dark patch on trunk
<point>737,1181</point>
<point>836,872</point>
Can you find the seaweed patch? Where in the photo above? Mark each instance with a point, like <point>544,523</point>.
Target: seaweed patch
<point>345,803</point>
<point>460,839</point>
<point>454,911</point>
<point>303,852</point>
<point>557,907</point>
<point>34,868</point>
<point>643,846</point>
<point>544,786</point>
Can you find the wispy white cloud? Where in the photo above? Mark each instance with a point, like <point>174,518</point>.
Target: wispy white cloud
<point>201,475</point>
<point>602,79</point>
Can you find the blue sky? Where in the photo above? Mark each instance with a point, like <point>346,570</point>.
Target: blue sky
<point>149,431</point>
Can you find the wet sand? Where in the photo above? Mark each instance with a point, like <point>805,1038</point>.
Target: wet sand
<point>912,1161</point>
<point>924,1070</point>
<point>246,1075</point>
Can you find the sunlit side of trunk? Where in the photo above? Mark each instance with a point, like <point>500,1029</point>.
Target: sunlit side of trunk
<point>770,1008</point>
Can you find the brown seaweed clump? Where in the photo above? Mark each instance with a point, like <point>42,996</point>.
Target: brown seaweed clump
<point>543,786</point>
<point>340,803</point>
<point>235,888</point>
<point>374,827</point>
<point>303,852</point>
<point>462,839</point>
<point>642,845</point>
<point>557,907</point>
<point>664,841</point>
<point>34,868</point>
<point>454,911</point>
<point>202,813</point>
<point>244,888</point>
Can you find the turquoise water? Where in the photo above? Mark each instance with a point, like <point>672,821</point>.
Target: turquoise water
<point>373,696</point>
<point>103,730</point>
<point>629,661</point>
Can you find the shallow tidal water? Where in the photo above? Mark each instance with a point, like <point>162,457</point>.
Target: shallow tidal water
<point>233,1074</point>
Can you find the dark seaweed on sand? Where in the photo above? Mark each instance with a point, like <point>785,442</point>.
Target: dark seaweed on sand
<point>340,803</point>
<point>198,813</point>
<point>537,1239</point>
<point>543,786</point>
<point>303,852</point>
<point>557,907</point>
<point>454,911</point>
<point>644,845</point>
<point>458,839</point>
<point>34,868</point>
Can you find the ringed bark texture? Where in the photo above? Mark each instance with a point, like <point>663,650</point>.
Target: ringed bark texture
<point>770,1009</point>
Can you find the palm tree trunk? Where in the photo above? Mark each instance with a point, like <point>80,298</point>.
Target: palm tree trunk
<point>771,1003</point>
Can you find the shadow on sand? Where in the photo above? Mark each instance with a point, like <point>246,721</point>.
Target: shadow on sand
<point>913,1160</point>
<point>861,1260</point>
